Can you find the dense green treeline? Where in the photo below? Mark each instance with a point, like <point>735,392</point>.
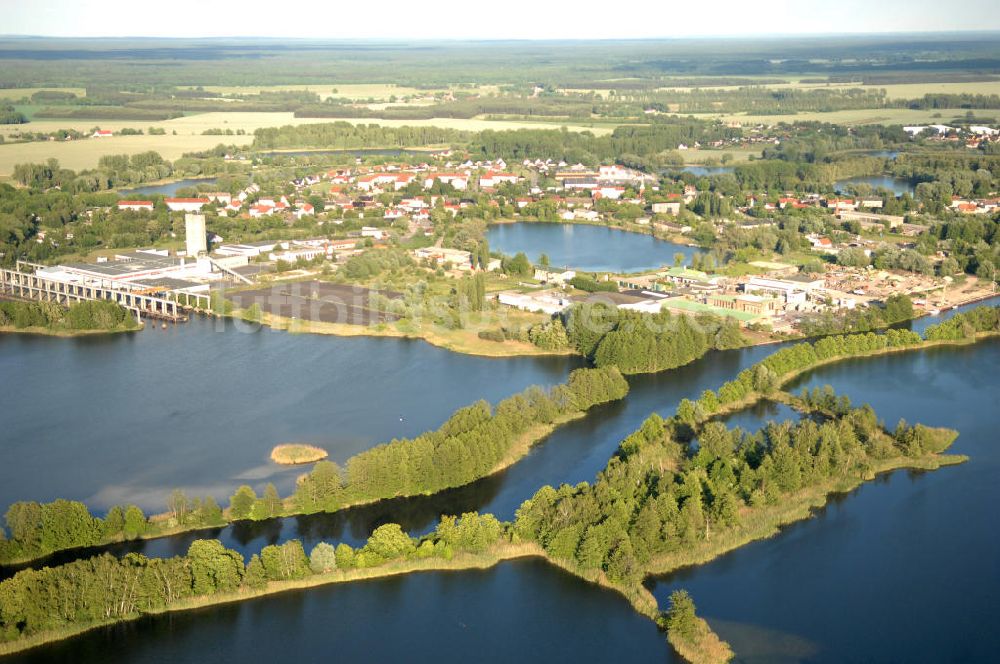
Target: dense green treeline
<point>105,589</point>
<point>638,342</point>
<point>635,145</point>
<point>471,444</point>
<point>564,107</point>
<point>9,115</point>
<point>965,325</point>
<point>39,529</point>
<point>673,487</point>
<point>120,113</point>
<point>764,376</point>
<point>762,100</point>
<point>954,100</point>
<point>663,493</point>
<point>897,308</point>
<point>78,317</point>
<point>822,142</point>
<point>630,144</point>
<point>344,135</point>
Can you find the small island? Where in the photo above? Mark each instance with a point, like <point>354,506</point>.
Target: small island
<point>293,454</point>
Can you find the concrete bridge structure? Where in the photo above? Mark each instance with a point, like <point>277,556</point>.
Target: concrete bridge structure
<point>26,285</point>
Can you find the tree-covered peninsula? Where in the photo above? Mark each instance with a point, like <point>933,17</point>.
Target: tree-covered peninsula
<point>666,499</point>
<point>474,442</point>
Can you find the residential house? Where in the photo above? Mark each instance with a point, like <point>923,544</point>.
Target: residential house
<point>136,206</point>
<point>186,204</point>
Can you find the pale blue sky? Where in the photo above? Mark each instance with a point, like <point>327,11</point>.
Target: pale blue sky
<point>493,19</point>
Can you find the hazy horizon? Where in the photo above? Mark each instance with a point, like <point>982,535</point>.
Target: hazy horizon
<point>517,20</point>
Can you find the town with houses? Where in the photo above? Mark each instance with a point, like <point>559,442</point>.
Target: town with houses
<point>772,294</point>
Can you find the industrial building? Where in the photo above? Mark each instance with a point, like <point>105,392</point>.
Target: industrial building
<point>195,234</point>
<point>148,271</point>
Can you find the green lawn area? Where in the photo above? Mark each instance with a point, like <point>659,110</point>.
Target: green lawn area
<point>699,308</point>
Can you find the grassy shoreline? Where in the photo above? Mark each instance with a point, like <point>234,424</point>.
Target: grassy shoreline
<point>706,648</point>
<point>641,599</point>
<point>537,433</point>
<point>65,334</point>
<point>461,561</point>
<point>771,519</point>
<point>461,341</point>
<point>520,448</point>
<point>788,377</point>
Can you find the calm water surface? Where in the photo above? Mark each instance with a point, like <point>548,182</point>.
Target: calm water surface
<point>523,611</point>
<point>587,248</point>
<point>199,406</point>
<point>574,453</point>
<point>706,170</point>
<point>168,189</point>
<point>904,569</point>
<point>898,186</point>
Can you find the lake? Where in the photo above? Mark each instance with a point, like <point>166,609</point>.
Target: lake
<point>167,189</point>
<point>585,247</point>
<point>199,406</point>
<point>521,611</point>
<point>574,453</point>
<point>901,569</point>
<point>897,186</point>
<point>884,154</point>
<point>706,171</point>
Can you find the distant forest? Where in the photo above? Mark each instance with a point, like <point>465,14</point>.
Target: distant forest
<point>879,59</point>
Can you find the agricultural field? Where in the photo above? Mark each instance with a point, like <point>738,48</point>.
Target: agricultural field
<point>248,122</point>
<point>917,90</point>
<point>893,91</point>
<point>7,94</point>
<point>355,91</point>
<point>884,116</point>
<point>83,154</point>
<point>738,155</point>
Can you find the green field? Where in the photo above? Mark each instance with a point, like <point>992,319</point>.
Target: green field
<point>19,93</point>
<point>85,153</point>
<point>356,91</point>
<point>893,91</point>
<point>701,156</point>
<point>886,116</point>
